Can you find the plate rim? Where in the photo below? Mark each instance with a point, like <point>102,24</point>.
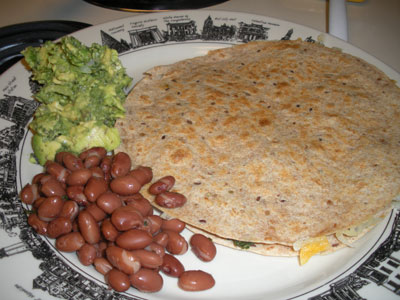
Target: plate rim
<point>123,20</point>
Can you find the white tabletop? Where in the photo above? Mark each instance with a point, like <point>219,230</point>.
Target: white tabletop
<point>373,25</point>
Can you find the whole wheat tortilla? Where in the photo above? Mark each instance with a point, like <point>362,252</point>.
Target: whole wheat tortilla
<point>271,142</point>
<point>285,250</point>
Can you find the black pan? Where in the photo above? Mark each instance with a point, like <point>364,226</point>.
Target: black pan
<point>15,38</point>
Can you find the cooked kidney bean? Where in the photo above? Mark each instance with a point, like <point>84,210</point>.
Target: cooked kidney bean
<point>38,202</point>
<point>87,254</point>
<point>44,178</point>
<point>148,259</point>
<point>117,231</point>
<point>79,177</point>
<point>37,178</point>
<point>52,187</point>
<point>117,280</point>
<point>123,260</point>
<point>101,248</point>
<point>161,239</point>
<point>69,210</point>
<point>109,231</point>
<point>75,227</point>
<point>97,213</point>
<point>203,247</point>
<point>126,217</point>
<point>195,280</point>
<point>173,224</point>
<point>72,162</point>
<point>94,188</point>
<point>171,266</point>
<point>60,156</point>
<point>176,243</point>
<point>140,203</point>
<point>57,171</point>
<point>107,177</point>
<point>50,208</point>
<point>134,239</point>
<point>162,185</point>
<point>154,223</point>
<point>143,174</point>
<point>170,199</point>
<point>121,164</point>
<point>88,227</point>
<point>156,248</point>
<point>109,202</point>
<point>105,164</point>
<point>38,225</point>
<point>94,151</point>
<point>147,281</point>
<point>125,185</point>
<point>97,172</point>
<point>102,265</point>
<point>70,242</point>
<point>58,227</point>
<point>93,156</point>
<point>145,226</point>
<point>76,193</point>
<point>29,193</point>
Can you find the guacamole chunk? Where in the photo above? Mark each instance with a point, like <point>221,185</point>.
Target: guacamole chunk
<point>82,91</point>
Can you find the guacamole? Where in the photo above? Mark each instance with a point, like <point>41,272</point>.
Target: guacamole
<point>82,91</point>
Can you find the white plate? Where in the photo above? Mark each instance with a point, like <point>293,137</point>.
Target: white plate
<point>30,267</point>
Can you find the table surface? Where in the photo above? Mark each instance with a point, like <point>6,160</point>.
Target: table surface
<point>374,25</point>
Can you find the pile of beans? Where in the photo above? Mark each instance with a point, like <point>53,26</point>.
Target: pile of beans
<point>91,204</point>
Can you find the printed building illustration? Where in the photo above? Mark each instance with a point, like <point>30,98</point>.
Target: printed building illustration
<point>186,30</point>
<point>381,268</point>
<point>9,139</point>
<point>182,31</point>
<point>251,32</point>
<point>146,36</point>
<point>119,46</point>
<point>58,278</point>
<point>212,32</point>
<point>17,109</point>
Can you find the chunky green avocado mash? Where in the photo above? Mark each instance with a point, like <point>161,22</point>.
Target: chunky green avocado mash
<point>82,94</point>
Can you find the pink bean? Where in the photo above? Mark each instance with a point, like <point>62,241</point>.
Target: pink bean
<point>29,193</point>
<point>162,185</point>
<point>94,188</point>
<point>58,227</point>
<point>123,260</point>
<point>195,280</point>
<point>147,281</point>
<point>125,185</point>
<point>37,224</point>
<point>117,280</point>
<point>50,208</point>
<point>109,202</point>
<point>70,242</point>
<point>102,265</point>
<point>121,164</point>
<point>88,227</point>
<point>125,217</point>
<point>87,254</point>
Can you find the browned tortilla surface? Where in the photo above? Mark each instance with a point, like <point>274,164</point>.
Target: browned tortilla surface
<point>271,141</point>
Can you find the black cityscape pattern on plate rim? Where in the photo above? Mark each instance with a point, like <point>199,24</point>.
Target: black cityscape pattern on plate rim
<point>62,281</point>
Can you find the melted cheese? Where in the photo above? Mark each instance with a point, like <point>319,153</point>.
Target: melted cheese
<point>310,247</point>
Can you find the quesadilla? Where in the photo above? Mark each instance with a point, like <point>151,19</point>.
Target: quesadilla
<point>275,143</point>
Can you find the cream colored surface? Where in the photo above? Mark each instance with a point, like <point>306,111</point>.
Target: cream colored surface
<point>271,142</point>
